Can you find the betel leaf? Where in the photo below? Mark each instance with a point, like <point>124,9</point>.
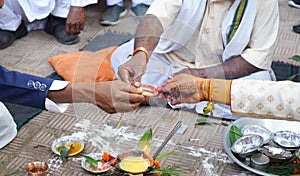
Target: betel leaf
<point>93,162</point>
<point>144,143</point>
<point>295,58</point>
<point>234,133</point>
<point>64,151</point>
<point>162,155</point>
<point>201,121</point>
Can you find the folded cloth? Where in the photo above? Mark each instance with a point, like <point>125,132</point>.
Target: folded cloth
<point>85,66</point>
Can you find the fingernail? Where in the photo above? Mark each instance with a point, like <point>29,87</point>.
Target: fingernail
<point>159,88</point>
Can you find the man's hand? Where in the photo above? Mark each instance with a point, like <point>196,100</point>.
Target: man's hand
<point>185,88</point>
<point>110,96</point>
<point>1,3</point>
<point>147,36</point>
<point>75,20</point>
<point>117,96</point>
<point>132,71</point>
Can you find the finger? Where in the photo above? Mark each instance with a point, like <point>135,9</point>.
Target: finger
<point>136,98</point>
<point>68,29</point>
<point>124,75</point>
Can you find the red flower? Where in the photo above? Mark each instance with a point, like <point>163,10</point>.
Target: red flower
<point>156,164</point>
<point>106,157</point>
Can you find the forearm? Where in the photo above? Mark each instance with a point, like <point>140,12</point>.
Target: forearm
<point>234,68</point>
<point>73,93</point>
<point>148,33</point>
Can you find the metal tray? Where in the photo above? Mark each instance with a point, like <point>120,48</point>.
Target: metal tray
<point>272,125</point>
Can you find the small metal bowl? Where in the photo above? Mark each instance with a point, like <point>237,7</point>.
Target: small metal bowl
<point>135,153</point>
<point>247,144</point>
<point>259,130</point>
<point>260,161</point>
<point>277,154</point>
<point>286,139</point>
<point>36,169</point>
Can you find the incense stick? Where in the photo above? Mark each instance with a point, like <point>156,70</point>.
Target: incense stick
<point>173,131</point>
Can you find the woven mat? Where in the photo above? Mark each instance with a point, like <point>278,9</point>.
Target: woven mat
<point>22,114</point>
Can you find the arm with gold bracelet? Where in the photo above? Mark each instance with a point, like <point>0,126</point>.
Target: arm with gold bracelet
<point>145,41</point>
<point>248,98</point>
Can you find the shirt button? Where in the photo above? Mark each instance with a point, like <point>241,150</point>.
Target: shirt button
<point>37,85</point>
<point>43,87</point>
<point>30,83</point>
<point>206,30</point>
<point>212,17</point>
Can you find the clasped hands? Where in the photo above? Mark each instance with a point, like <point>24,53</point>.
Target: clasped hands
<point>182,88</point>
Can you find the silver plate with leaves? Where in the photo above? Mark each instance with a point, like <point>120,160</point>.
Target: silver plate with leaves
<point>96,156</point>
<point>270,124</point>
<point>67,141</point>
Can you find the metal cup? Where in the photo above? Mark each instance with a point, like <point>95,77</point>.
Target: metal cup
<point>37,169</point>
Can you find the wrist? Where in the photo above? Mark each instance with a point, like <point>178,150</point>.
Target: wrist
<point>204,87</point>
<point>219,91</point>
<point>140,50</point>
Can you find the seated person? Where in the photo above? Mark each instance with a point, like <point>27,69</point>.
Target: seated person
<point>44,93</point>
<point>208,39</point>
<point>252,98</point>
<point>62,19</point>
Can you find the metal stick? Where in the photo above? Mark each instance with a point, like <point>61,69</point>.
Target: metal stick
<point>173,131</point>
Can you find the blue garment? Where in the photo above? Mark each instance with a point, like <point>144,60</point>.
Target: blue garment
<point>23,89</point>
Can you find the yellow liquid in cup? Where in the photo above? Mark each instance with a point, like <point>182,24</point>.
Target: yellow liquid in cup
<point>134,164</point>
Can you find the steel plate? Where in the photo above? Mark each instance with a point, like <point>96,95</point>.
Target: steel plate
<point>270,124</point>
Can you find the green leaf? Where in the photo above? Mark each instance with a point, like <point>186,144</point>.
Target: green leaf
<point>93,162</point>
<point>234,133</point>
<point>295,58</point>
<point>170,171</point>
<point>162,155</point>
<point>144,143</point>
<point>201,121</point>
<point>64,152</point>
<point>293,76</point>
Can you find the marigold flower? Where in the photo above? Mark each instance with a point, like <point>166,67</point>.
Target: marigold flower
<point>106,157</point>
<point>156,164</point>
<point>296,171</point>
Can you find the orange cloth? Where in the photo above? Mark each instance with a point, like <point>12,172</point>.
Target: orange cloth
<point>85,66</point>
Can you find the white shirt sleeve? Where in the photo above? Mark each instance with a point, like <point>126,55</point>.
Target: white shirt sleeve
<point>82,3</point>
<point>51,105</point>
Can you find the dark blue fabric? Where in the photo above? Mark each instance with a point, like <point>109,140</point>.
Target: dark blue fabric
<point>14,88</point>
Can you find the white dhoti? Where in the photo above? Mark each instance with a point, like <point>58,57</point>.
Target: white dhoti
<point>159,70</point>
<point>8,127</point>
<point>31,11</point>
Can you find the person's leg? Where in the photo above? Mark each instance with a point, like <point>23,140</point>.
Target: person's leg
<point>115,9</point>
<point>56,23</point>
<point>139,7</point>
<point>11,25</point>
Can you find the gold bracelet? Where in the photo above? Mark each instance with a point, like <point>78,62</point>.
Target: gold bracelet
<point>210,105</point>
<point>143,50</point>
